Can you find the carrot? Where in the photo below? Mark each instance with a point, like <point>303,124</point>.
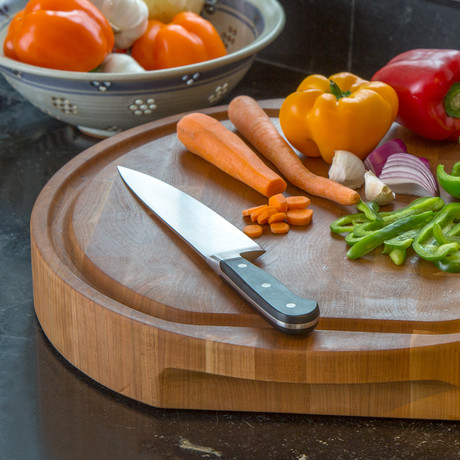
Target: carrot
<point>300,217</point>
<point>298,202</point>
<point>247,212</point>
<point>279,202</point>
<point>262,218</point>
<point>255,125</point>
<point>279,227</point>
<point>211,140</point>
<point>253,230</point>
<point>257,212</point>
<point>277,217</point>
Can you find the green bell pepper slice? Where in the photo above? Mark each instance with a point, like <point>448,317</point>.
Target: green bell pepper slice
<point>450,182</point>
<point>398,255</point>
<point>417,206</point>
<point>370,210</point>
<point>434,242</point>
<point>360,223</point>
<point>397,247</point>
<point>346,223</point>
<point>450,264</point>
<point>378,237</point>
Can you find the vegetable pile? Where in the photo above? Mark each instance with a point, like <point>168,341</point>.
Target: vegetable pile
<point>111,36</point>
<point>427,225</point>
<point>279,214</point>
<point>343,120</point>
<point>397,230</point>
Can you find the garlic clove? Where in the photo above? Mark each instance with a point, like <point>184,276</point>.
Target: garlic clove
<point>347,169</point>
<point>128,19</point>
<point>377,191</point>
<point>120,63</point>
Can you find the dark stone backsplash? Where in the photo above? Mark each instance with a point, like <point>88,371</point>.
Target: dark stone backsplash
<point>360,35</point>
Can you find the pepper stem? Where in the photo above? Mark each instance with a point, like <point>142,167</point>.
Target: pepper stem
<point>452,101</point>
<point>336,91</point>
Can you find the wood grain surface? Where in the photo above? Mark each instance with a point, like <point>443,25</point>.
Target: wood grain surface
<point>128,303</point>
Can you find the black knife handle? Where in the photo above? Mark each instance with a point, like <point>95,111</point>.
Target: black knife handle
<point>278,305</point>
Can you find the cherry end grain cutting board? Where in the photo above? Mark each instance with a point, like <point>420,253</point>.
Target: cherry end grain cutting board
<point>128,303</point>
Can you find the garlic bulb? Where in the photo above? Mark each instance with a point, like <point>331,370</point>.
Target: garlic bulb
<point>128,19</point>
<point>120,63</point>
<point>347,169</point>
<point>376,190</point>
<point>165,10</point>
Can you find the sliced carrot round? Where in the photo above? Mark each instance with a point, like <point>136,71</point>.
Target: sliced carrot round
<point>298,202</point>
<point>279,227</point>
<point>277,217</point>
<point>299,217</point>
<point>253,230</point>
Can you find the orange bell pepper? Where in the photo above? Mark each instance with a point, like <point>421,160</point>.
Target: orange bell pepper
<point>187,39</point>
<point>59,34</point>
<point>342,112</point>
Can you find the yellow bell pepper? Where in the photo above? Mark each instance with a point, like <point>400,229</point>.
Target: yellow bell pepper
<point>342,112</point>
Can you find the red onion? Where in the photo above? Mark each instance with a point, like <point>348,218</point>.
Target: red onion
<point>410,161</point>
<point>376,159</point>
<point>408,175</point>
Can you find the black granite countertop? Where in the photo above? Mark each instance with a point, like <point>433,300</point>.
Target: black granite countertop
<point>49,410</point>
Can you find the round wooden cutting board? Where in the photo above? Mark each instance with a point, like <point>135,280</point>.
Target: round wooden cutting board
<point>127,302</point>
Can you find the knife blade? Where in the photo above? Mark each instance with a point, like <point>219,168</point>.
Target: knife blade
<point>227,250</point>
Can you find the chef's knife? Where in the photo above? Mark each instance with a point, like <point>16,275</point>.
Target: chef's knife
<point>227,250</point>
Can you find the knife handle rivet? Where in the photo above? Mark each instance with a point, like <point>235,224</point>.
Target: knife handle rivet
<point>290,305</point>
<point>242,265</point>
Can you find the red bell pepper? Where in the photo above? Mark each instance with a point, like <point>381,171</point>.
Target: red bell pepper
<point>427,82</point>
